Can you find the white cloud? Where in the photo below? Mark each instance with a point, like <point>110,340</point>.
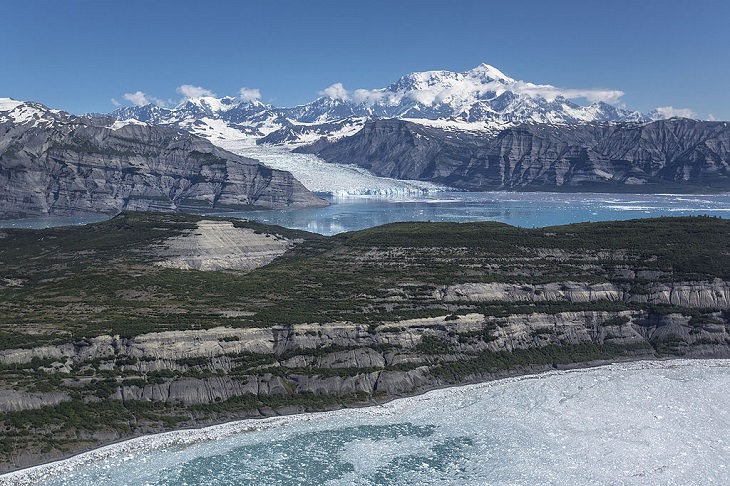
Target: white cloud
<point>369,97</point>
<point>711,117</point>
<point>190,91</point>
<point>249,94</point>
<point>336,92</point>
<point>670,111</point>
<point>550,92</point>
<point>137,98</point>
<point>463,90</point>
<point>115,102</point>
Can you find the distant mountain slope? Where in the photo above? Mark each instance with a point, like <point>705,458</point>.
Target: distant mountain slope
<point>482,99</point>
<point>53,163</point>
<point>677,154</point>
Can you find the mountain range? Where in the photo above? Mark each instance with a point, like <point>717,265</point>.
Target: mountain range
<point>482,100</point>
<point>476,130</point>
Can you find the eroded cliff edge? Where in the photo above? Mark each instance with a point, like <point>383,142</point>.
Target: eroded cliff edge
<point>100,344</point>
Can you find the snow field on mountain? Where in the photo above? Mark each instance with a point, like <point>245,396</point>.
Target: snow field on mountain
<point>21,113</point>
<point>7,104</point>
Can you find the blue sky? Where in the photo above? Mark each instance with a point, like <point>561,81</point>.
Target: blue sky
<point>79,55</point>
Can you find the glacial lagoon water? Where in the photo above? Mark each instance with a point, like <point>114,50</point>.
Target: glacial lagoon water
<point>639,423</point>
<point>526,209</point>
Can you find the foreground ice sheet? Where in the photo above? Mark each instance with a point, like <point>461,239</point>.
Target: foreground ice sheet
<point>640,423</point>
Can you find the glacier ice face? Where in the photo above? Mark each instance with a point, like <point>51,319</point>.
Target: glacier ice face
<point>318,176</point>
<point>641,423</point>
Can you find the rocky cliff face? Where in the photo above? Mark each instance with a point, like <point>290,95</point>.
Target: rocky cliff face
<point>52,163</point>
<point>343,359</point>
<point>676,154</point>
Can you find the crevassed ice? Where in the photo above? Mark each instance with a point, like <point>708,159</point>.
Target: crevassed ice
<point>334,179</point>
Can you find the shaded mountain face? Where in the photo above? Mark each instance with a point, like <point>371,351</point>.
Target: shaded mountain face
<point>482,98</point>
<point>53,163</point>
<point>678,155</point>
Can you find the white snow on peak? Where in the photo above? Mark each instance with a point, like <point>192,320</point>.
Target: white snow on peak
<point>483,95</point>
<point>485,70</point>
<point>23,113</point>
<point>481,127</point>
<point>214,105</point>
<point>123,123</point>
<point>8,104</point>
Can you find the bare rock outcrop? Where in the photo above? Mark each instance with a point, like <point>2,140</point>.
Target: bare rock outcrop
<point>218,245</point>
<point>201,367</point>
<point>53,163</point>
<point>675,154</point>
<point>709,295</point>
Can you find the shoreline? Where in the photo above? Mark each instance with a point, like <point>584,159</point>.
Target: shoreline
<point>190,436</point>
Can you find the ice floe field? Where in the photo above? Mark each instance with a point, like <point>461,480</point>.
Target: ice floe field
<point>662,422</point>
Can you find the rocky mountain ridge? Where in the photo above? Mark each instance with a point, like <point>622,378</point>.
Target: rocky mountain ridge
<point>679,155</point>
<point>53,163</point>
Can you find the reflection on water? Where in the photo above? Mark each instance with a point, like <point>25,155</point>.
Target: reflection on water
<point>530,209</point>
<point>517,209</point>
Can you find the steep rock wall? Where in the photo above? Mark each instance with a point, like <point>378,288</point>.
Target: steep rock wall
<point>676,154</point>
<point>69,165</point>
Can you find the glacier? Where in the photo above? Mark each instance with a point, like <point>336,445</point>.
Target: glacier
<point>337,180</point>
<point>652,422</point>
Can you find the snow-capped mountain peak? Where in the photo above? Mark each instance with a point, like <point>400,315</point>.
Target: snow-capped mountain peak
<point>485,71</point>
<point>211,105</point>
<point>482,98</point>
<point>207,104</point>
<point>26,113</point>
<point>9,104</point>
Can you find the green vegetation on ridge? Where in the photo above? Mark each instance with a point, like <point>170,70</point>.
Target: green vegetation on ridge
<point>70,285</point>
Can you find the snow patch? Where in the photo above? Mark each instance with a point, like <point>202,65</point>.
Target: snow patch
<point>8,104</point>
<point>23,113</point>
<point>123,123</point>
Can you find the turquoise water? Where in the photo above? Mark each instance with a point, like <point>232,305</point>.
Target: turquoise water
<point>527,210</point>
<point>639,423</point>
<point>532,209</point>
